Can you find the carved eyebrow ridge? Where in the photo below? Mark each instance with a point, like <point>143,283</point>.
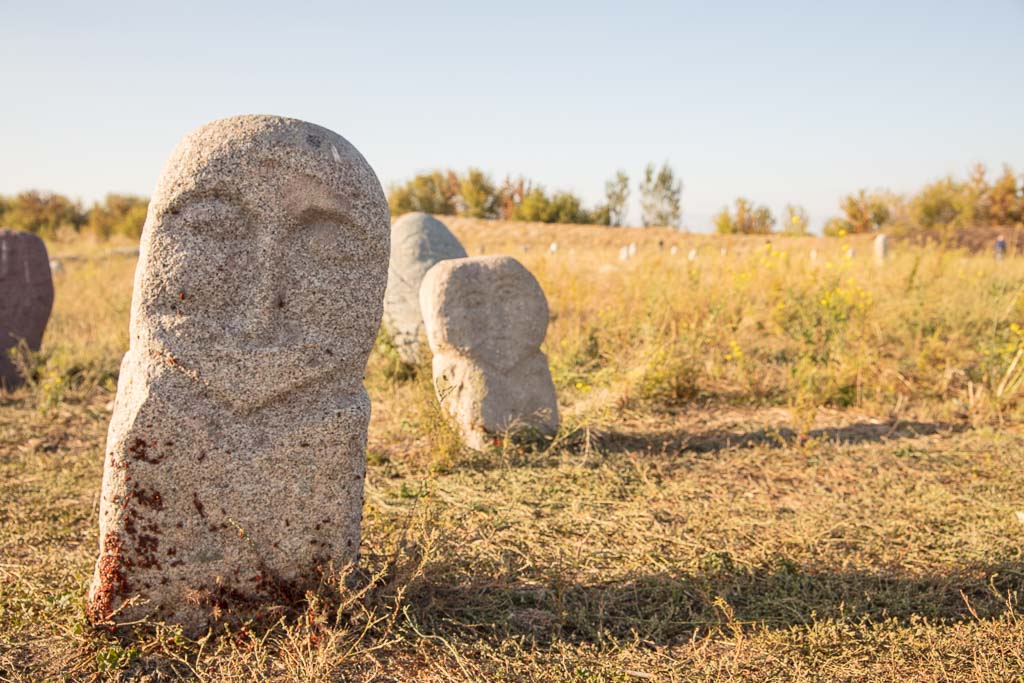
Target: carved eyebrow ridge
<point>320,211</point>
<point>221,194</point>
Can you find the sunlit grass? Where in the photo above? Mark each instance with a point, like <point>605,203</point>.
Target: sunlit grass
<point>771,468</point>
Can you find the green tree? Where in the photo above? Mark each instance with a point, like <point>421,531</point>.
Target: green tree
<point>433,192</point>
<point>940,204</point>
<point>42,213</point>
<point>836,227</point>
<point>616,193</point>
<point>1006,199</point>
<point>568,208</point>
<point>724,223</point>
<point>535,207</point>
<point>511,195</point>
<point>746,219</point>
<point>118,215</point>
<point>796,220</point>
<point>864,212</point>
<point>562,207</point>
<point>661,197</point>
<point>601,215</point>
<point>478,198</point>
<point>976,198</point>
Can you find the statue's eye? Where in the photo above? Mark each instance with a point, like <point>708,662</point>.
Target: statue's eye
<point>474,300</point>
<point>213,217</point>
<point>315,216</point>
<point>330,234</point>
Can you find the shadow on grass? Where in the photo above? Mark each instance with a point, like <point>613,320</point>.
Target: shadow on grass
<point>664,608</point>
<point>723,439</point>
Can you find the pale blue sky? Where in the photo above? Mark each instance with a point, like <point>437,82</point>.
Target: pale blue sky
<point>779,102</point>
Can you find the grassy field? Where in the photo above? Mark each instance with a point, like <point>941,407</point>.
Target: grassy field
<point>772,467</point>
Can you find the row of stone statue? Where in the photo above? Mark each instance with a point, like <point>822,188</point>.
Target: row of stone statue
<point>487,318</point>
<point>484,318</point>
<point>418,242</point>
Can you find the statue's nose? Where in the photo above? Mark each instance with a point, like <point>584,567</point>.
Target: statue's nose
<point>265,297</point>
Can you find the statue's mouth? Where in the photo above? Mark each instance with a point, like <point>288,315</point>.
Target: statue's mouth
<point>501,353</point>
<point>247,379</point>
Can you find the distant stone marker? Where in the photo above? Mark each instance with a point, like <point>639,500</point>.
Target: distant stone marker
<point>1000,248</point>
<point>26,298</point>
<point>881,246</point>
<point>485,319</point>
<point>235,458</point>
<point>418,241</point>
<point>632,249</point>
<point>553,248</point>
<point>624,253</point>
<point>692,256</point>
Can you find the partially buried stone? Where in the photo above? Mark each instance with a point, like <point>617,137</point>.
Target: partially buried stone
<point>26,298</point>
<point>881,248</point>
<point>418,241</point>
<point>235,457</point>
<point>485,319</point>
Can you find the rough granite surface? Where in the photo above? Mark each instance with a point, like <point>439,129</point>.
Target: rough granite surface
<point>418,241</point>
<point>26,298</point>
<point>485,319</point>
<point>233,473</point>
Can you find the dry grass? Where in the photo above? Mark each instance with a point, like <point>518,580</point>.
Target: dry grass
<point>771,470</point>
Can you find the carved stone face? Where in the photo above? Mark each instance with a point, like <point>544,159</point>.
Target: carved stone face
<point>263,260</point>
<point>490,308</point>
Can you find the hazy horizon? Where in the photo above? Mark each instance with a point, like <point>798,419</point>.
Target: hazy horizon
<point>796,103</point>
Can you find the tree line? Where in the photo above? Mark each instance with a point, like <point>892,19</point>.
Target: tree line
<point>50,214</point>
<point>476,195</point>
<point>943,207</point>
<point>946,205</point>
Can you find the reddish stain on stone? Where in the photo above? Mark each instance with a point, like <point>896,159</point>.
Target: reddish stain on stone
<point>139,450</point>
<point>150,499</point>
<point>146,547</point>
<point>111,583</point>
<point>198,505</point>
